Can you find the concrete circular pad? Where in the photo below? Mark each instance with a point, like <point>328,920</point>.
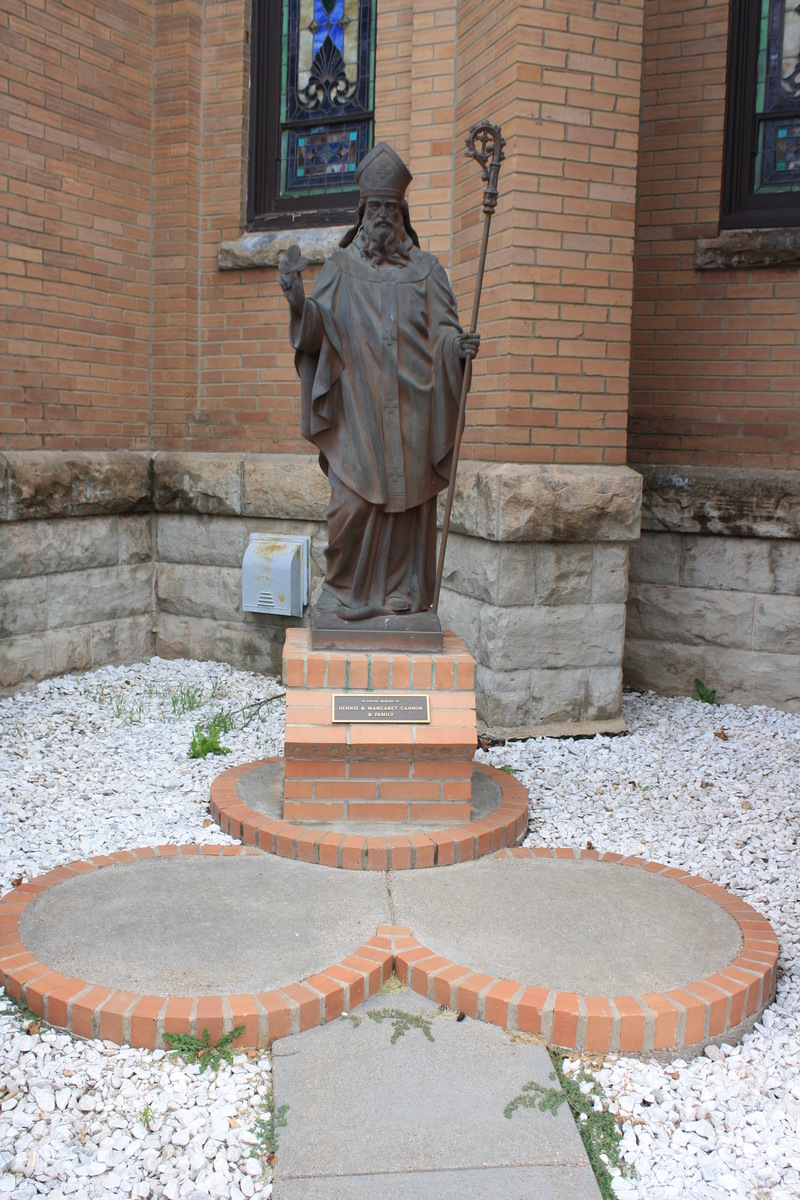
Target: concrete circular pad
<point>261,789</point>
<point>247,803</point>
<point>168,936</point>
<point>588,951</point>
<point>685,965</point>
<point>189,926</point>
<point>576,925</point>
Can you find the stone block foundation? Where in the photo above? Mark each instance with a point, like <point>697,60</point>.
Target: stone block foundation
<point>113,556</point>
<point>715,586</point>
<point>535,582</point>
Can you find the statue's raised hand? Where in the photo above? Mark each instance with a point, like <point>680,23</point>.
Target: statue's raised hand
<point>291,281</point>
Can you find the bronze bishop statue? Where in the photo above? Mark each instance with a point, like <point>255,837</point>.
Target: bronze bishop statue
<point>380,354</point>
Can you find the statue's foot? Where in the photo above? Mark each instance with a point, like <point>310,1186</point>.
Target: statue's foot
<point>327,602</point>
<point>398,603</point>
<point>361,613</point>
<point>394,606</point>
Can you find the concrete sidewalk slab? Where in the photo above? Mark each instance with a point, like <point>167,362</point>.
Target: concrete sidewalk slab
<point>177,926</point>
<point>419,1118</point>
<point>573,925</point>
<point>485,1183</point>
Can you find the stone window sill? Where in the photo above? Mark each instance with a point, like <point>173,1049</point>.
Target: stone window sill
<point>266,249</point>
<point>748,248</point>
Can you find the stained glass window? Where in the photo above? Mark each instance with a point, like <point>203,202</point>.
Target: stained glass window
<point>312,97</point>
<point>777,162</point>
<point>763,125</point>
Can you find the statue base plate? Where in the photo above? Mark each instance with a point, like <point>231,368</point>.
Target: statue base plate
<point>413,632</point>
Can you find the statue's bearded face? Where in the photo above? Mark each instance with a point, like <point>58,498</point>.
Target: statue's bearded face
<point>382,223</point>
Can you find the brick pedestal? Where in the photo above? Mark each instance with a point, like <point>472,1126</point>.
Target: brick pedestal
<point>371,771</point>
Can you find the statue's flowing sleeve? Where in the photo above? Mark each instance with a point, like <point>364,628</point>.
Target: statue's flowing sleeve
<point>318,353</point>
<point>448,369</point>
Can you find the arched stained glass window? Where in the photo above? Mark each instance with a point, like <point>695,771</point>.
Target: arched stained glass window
<point>763,120</point>
<point>311,108</point>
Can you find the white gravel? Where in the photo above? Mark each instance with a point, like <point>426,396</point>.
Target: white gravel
<point>91,764</point>
<point>97,763</point>
<point>725,1126</point>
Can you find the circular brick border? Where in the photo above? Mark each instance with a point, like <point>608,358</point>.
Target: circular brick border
<point>503,827</point>
<point>89,1011</point>
<point>683,1019</point>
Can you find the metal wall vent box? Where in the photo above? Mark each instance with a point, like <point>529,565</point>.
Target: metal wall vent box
<point>276,574</point>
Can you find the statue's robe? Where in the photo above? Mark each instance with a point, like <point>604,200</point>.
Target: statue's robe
<point>377,352</point>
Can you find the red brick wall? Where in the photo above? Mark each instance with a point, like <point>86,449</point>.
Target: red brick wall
<point>184,355</point>
<point>247,393</point>
<point>563,77</point>
<point>716,353</point>
<point>393,69</point>
<point>75,195</point>
<point>246,397</point>
<point>177,189</point>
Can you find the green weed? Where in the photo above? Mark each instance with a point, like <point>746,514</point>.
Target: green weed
<point>203,1050</point>
<point>402,1022</point>
<point>706,694</point>
<point>534,1095</point>
<point>599,1131</point>
<point>19,1009</point>
<point>147,1116</point>
<point>204,744</point>
<point>123,709</point>
<point>224,720</point>
<point>266,1130</point>
<point>510,770</point>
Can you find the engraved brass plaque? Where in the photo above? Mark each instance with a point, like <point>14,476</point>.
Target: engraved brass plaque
<point>389,708</point>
